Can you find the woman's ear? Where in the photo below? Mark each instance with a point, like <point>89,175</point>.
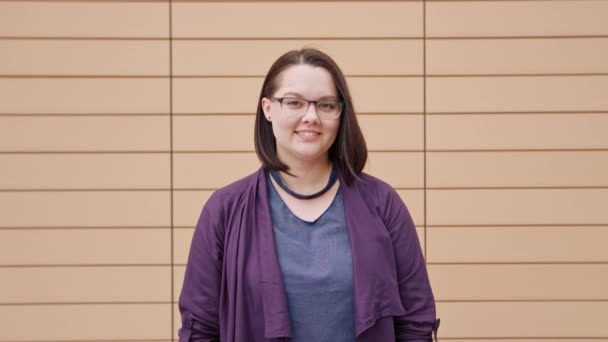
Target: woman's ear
<point>266,108</point>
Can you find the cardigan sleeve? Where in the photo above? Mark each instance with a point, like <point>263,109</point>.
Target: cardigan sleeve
<point>199,298</point>
<point>418,324</point>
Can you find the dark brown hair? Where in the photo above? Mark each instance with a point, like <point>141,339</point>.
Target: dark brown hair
<point>348,152</point>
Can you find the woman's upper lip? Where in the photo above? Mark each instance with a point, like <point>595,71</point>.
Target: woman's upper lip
<point>307,130</point>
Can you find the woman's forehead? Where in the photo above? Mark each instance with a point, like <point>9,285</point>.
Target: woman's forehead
<point>306,80</point>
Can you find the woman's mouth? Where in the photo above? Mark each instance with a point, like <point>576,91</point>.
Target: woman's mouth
<point>308,133</point>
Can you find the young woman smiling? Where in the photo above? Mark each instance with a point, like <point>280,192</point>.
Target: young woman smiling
<point>309,247</point>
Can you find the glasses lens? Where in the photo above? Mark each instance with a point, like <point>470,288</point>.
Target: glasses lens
<point>294,106</point>
<point>329,109</point>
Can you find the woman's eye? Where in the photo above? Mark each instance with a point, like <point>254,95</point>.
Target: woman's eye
<point>327,106</point>
<point>293,103</point>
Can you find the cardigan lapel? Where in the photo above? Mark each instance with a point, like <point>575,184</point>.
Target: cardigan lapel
<point>274,298</point>
<point>376,292</point>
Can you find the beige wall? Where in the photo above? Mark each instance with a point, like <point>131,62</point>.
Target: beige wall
<point>119,118</point>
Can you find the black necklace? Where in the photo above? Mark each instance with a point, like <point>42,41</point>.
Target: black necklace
<point>333,177</point>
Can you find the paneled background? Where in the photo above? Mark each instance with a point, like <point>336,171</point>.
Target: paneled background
<point>118,119</point>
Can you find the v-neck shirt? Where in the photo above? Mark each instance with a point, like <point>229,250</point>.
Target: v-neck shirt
<point>316,265</point>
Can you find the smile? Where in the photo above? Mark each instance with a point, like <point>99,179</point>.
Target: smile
<point>307,133</point>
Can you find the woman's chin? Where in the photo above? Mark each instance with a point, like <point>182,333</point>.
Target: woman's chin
<point>309,155</point>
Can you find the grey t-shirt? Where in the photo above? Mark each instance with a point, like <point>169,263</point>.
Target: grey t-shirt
<point>316,263</point>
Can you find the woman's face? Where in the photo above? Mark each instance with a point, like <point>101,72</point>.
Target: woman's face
<point>306,138</point>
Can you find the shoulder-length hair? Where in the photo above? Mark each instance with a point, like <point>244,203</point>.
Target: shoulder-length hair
<point>348,151</point>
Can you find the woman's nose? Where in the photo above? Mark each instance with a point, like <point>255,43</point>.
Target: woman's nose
<point>311,113</point>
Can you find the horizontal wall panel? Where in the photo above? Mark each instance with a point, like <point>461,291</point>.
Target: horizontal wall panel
<point>387,95</point>
<point>84,133</point>
<point>517,94</point>
<point>85,171</point>
<point>240,95</point>
<point>517,206</point>
<point>214,170</point>
<point>216,95</point>
<point>85,209</point>
<point>517,56</point>
<point>84,57</point>
<point>178,280</point>
<point>84,246</point>
<point>527,320</point>
<point>525,131</point>
<point>224,57</point>
<point>84,19</point>
<point>331,19</point>
<point>399,169</point>
<point>414,201</point>
<point>517,169</point>
<point>188,205</point>
<point>208,132</point>
<point>84,95</point>
<point>392,132</point>
<point>519,282</point>
<point>84,284</point>
<point>211,170</point>
<point>182,241</point>
<point>177,319</point>
<point>517,244</point>
<point>515,18</point>
<point>86,322</point>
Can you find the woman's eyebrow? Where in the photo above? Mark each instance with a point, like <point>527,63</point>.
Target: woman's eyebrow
<point>326,97</point>
<point>293,93</point>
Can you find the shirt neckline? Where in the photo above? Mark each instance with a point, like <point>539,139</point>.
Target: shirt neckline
<point>308,223</point>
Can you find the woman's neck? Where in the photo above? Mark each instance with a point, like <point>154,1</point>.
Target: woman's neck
<point>307,177</point>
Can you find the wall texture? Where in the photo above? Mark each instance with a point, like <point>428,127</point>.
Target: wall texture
<point>119,118</point>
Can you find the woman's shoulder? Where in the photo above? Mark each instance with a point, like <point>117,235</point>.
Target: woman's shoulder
<point>379,195</point>
<point>372,185</point>
<point>218,210</point>
<point>231,194</point>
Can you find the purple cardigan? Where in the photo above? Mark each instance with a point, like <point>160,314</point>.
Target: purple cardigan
<point>233,288</point>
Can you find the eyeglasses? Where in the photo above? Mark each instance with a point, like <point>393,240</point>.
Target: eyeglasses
<point>295,107</point>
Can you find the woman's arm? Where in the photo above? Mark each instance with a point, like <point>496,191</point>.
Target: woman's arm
<point>418,323</point>
<point>199,299</point>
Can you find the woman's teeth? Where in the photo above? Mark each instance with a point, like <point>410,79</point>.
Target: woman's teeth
<point>307,133</point>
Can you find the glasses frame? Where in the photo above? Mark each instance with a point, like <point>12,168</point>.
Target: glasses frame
<point>315,102</point>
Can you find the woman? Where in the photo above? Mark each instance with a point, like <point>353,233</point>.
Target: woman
<point>308,248</point>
